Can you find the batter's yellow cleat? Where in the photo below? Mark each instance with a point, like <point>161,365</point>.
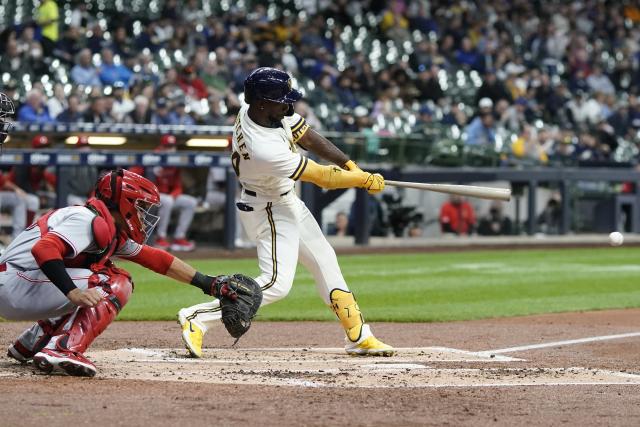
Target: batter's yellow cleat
<point>370,346</point>
<point>191,336</point>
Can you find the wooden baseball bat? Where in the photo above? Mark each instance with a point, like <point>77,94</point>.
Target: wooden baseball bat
<point>490,193</point>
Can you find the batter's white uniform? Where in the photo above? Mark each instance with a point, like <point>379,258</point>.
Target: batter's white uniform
<point>268,163</point>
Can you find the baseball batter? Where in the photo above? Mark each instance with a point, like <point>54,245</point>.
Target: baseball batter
<point>59,272</point>
<point>266,159</point>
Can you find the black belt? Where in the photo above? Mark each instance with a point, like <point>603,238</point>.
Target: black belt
<point>254,194</point>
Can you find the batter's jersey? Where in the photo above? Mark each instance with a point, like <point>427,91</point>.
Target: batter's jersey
<point>266,160</point>
<point>73,226</point>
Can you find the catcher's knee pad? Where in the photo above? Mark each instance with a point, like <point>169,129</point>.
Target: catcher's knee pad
<point>89,322</point>
<point>346,308</point>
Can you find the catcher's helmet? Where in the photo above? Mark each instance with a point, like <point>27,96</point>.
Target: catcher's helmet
<point>135,197</point>
<point>270,84</point>
<point>6,111</point>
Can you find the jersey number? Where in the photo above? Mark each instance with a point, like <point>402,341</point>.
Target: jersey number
<point>235,162</point>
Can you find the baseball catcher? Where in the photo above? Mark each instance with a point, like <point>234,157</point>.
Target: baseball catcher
<point>59,272</point>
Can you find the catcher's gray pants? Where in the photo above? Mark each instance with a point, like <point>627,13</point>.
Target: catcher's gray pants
<point>185,204</point>
<point>30,295</point>
<point>18,207</point>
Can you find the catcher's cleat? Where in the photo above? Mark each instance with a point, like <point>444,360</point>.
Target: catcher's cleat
<point>191,336</point>
<point>64,361</point>
<point>14,353</point>
<point>370,346</point>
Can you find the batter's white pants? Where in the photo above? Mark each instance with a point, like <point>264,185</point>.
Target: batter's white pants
<point>283,230</point>
<point>185,204</point>
<point>18,207</point>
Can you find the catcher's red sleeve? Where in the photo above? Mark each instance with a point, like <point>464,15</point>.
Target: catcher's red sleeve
<point>154,259</point>
<point>49,247</point>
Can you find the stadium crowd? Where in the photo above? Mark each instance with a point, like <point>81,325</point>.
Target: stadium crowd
<point>538,81</point>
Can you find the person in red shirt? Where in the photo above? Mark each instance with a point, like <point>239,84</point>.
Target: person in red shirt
<point>168,179</point>
<point>457,216</point>
<point>191,84</point>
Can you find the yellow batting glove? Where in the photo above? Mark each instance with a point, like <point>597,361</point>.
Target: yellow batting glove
<point>351,166</point>
<point>374,183</point>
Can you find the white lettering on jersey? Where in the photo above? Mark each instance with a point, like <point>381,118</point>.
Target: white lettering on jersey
<point>266,159</point>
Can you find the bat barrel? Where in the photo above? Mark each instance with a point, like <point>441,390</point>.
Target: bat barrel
<point>490,193</point>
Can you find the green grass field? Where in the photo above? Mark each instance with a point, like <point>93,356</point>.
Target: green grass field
<point>426,287</point>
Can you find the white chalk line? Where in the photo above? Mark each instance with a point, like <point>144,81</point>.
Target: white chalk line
<point>557,343</point>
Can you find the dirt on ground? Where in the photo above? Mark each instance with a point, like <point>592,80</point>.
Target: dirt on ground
<point>585,370</point>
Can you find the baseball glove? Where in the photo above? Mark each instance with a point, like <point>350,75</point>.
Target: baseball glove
<point>240,297</point>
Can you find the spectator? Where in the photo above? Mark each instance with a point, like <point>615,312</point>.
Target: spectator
<point>96,42</point>
<point>162,115</point>
<point>467,54</point>
<point>394,24</point>
<point>98,111</point>
<point>122,45</point>
<point>80,16</point>
<point>180,115</point>
<point>84,73</point>
<point>169,183</point>
<point>481,131</point>
<point>58,103</point>
<point>599,82</point>
<point>122,105</point>
<point>79,181</point>
<point>12,61</point>
<point>48,17</point>
<point>111,72</point>
<point>429,86</point>
<point>457,216</point>
<point>192,85</point>
<point>34,110</point>
<point>492,88</point>
<point>214,116</point>
<point>495,223</point>
<point>73,113</point>
<point>141,113</point>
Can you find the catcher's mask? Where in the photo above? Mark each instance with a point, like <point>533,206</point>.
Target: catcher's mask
<point>135,197</point>
<point>6,112</point>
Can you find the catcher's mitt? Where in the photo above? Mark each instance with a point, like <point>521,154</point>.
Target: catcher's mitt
<point>240,297</point>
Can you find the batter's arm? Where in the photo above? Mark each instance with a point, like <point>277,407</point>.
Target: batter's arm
<point>332,177</point>
<point>318,144</point>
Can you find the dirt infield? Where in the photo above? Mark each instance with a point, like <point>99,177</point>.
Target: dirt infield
<point>578,368</point>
